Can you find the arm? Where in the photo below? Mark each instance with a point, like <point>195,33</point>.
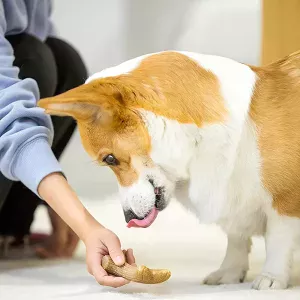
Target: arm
<point>70,209</point>
<point>98,240</point>
<point>25,131</point>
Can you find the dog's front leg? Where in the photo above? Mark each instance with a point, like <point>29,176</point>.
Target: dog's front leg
<point>280,238</point>
<point>235,264</point>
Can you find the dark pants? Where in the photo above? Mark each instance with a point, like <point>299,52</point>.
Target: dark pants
<point>56,67</point>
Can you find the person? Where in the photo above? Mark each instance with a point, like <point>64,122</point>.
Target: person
<point>36,64</point>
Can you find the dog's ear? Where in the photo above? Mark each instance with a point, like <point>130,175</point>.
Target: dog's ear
<point>86,103</point>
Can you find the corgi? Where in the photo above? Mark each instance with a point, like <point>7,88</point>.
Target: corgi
<point>221,137</point>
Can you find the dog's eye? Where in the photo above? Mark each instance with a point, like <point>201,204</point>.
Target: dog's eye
<point>110,160</point>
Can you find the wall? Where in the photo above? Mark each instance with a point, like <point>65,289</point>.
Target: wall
<point>222,27</point>
<point>230,28</point>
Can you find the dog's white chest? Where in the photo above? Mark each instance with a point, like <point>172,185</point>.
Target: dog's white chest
<point>230,192</point>
<point>242,212</point>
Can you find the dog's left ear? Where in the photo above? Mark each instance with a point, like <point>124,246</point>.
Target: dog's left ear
<point>88,102</point>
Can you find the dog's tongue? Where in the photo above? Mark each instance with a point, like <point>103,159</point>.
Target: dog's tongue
<point>145,222</point>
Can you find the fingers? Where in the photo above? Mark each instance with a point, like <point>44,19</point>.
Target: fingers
<point>101,276</point>
<point>103,242</point>
<point>130,257</point>
<point>106,280</point>
<point>113,245</point>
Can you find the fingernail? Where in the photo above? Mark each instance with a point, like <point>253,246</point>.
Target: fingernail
<point>119,260</point>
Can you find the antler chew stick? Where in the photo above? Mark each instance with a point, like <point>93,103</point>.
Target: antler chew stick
<point>140,274</point>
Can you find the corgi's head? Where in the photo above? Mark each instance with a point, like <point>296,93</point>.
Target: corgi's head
<point>141,119</point>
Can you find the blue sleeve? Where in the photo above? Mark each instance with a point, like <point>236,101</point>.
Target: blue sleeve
<point>26,132</point>
<point>52,32</point>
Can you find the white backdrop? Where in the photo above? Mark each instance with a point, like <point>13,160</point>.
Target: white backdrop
<point>109,32</point>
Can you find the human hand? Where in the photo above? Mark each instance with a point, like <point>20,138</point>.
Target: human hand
<point>100,242</point>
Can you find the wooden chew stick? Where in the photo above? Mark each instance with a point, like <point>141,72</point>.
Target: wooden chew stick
<point>140,274</point>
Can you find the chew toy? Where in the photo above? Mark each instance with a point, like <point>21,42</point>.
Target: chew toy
<point>140,274</point>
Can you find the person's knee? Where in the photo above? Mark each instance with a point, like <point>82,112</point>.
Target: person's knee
<point>71,69</point>
<point>35,60</point>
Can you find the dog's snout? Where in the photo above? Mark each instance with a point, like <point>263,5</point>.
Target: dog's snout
<point>130,215</point>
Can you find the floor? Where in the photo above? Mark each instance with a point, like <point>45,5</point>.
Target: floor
<point>175,241</point>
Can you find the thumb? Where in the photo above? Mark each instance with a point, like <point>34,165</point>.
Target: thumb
<point>113,245</point>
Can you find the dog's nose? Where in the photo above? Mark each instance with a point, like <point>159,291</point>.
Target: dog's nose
<point>129,215</point>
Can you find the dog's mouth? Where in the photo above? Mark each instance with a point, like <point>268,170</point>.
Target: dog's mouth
<point>152,214</point>
<point>145,222</point>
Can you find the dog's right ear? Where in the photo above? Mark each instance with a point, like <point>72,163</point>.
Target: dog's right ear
<point>86,103</point>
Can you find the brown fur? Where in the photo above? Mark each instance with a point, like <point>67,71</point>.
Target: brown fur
<point>106,126</point>
<point>275,109</point>
<point>174,86</point>
<point>168,84</point>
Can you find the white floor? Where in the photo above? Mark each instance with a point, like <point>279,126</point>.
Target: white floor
<point>175,241</point>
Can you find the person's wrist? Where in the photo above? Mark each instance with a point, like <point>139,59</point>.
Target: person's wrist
<point>92,229</point>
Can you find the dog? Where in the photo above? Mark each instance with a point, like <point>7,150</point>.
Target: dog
<point>220,136</point>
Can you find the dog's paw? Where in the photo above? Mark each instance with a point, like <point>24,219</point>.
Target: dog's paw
<point>226,276</point>
<point>268,282</point>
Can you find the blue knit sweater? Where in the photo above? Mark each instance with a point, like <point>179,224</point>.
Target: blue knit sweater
<point>26,133</point>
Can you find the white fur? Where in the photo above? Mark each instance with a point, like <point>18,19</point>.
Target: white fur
<point>235,264</point>
<point>217,171</point>
<point>280,238</point>
<point>123,68</point>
